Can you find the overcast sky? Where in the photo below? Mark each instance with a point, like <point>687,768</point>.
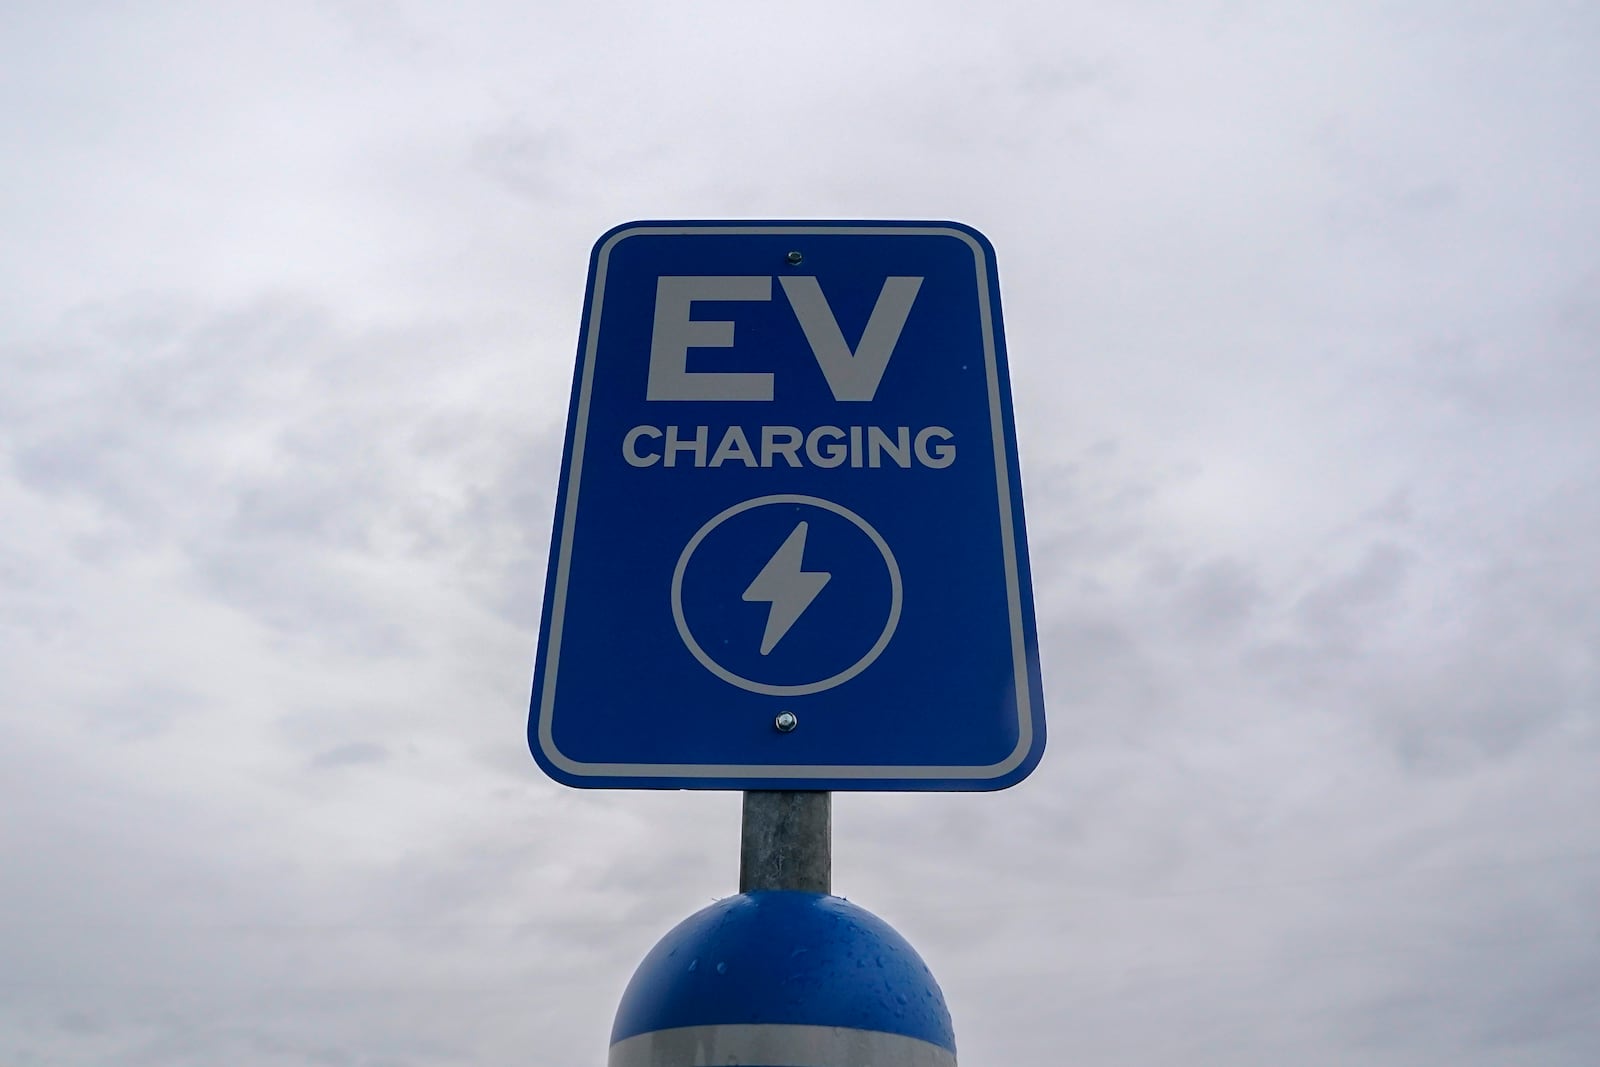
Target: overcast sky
<point>1303,306</point>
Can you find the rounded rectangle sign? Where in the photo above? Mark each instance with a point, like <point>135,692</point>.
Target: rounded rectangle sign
<point>789,548</point>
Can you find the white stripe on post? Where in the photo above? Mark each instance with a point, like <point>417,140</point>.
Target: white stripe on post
<point>776,1045</point>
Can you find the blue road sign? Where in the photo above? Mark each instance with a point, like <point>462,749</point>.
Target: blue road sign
<point>798,979</point>
<point>788,548</point>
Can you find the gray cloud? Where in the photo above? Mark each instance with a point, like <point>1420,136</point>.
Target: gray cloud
<point>1301,316</point>
<point>351,754</point>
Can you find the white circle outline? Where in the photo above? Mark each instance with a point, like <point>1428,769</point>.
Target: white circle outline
<point>896,597</point>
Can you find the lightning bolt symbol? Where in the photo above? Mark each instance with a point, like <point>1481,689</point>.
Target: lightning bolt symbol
<point>788,589</point>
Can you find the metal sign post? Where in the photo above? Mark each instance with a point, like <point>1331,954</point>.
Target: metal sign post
<point>789,558</point>
<point>786,842</point>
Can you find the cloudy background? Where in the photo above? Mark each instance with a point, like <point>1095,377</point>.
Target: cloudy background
<point>1304,312</point>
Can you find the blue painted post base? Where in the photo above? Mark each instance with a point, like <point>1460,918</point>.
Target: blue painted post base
<point>783,979</point>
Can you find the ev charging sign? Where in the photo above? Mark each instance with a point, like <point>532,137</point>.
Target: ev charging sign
<point>788,548</point>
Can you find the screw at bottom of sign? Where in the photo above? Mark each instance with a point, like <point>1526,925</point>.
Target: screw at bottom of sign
<point>785,722</point>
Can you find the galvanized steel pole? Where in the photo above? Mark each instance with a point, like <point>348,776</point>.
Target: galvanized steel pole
<point>786,841</point>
